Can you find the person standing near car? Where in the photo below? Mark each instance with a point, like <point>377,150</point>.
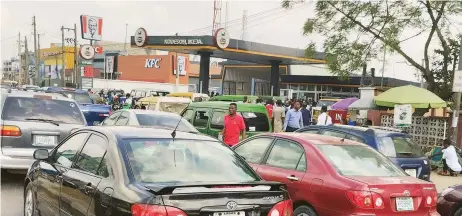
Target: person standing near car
<point>294,119</point>
<point>324,118</point>
<point>234,126</point>
<point>451,164</point>
<point>279,113</point>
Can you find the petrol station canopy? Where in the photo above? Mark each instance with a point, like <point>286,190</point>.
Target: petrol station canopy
<point>236,50</point>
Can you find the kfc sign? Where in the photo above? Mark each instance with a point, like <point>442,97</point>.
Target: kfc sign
<point>152,63</point>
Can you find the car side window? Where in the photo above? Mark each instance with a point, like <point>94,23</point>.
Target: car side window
<point>311,131</point>
<point>123,118</point>
<point>201,118</point>
<point>254,150</point>
<point>104,170</point>
<point>285,154</point>
<point>188,114</point>
<point>301,166</point>
<point>110,120</point>
<point>92,154</point>
<point>65,154</point>
<point>355,138</point>
<point>217,120</point>
<point>333,133</point>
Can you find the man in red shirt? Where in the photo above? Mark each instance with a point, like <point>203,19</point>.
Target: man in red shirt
<point>233,126</point>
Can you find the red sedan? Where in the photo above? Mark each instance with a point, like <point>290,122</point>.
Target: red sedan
<point>329,176</point>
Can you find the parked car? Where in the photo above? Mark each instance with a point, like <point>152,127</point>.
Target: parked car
<point>137,94</point>
<point>334,176</point>
<point>128,171</point>
<point>166,104</point>
<point>208,117</point>
<point>147,118</point>
<point>32,120</point>
<point>94,113</point>
<point>196,97</point>
<point>450,201</point>
<point>394,144</point>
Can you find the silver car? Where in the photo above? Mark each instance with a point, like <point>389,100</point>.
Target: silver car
<point>31,120</point>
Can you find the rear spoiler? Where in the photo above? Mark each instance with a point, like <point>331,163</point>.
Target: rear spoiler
<point>209,187</point>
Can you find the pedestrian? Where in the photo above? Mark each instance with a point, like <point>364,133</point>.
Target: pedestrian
<point>306,114</point>
<point>279,113</point>
<point>246,100</point>
<point>234,126</point>
<point>294,119</point>
<point>324,118</point>
<point>269,107</point>
<point>451,164</point>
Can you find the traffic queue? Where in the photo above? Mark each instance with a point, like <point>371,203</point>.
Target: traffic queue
<point>168,157</point>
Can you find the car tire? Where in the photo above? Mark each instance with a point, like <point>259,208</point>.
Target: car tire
<point>304,211</point>
<point>29,202</point>
<point>458,212</point>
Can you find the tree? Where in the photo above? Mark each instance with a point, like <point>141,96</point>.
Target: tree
<point>357,31</point>
<point>443,78</point>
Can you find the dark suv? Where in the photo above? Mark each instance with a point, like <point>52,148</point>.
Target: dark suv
<point>394,144</point>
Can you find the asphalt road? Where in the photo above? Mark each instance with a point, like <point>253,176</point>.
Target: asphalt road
<point>12,194</point>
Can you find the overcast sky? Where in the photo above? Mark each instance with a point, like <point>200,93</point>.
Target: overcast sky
<point>274,26</point>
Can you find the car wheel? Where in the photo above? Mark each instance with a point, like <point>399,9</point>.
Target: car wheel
<point>304,211</point>
<point>29,202</point>
<point>458,212</point>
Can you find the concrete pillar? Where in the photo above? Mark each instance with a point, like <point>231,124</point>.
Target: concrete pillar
<point>204,71</point>
<point>274,81</point>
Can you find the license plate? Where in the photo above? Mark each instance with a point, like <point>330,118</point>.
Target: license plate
<point>44,140</point>
<point>404,204</point>
<point>411,172</point>
<point>233,213</point>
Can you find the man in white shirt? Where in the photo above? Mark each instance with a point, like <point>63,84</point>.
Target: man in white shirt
<point>324,118</point>
<point>450,159</point>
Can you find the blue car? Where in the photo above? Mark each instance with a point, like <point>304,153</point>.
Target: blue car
<point>394,144</point>
<point>94,113</point>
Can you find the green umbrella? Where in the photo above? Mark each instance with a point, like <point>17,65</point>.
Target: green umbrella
<point>417,97</point>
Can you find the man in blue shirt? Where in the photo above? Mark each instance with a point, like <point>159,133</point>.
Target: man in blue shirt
<point>294,118</point>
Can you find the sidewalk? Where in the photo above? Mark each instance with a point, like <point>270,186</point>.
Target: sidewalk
<point>443,182</point>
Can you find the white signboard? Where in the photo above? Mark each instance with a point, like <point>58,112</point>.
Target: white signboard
<point>457,83</point>
<point>222,38</point>
<point>109,64</point>
<point>181,65</point>
<point>87,52</point>
<point>403,115</point>
<point>141,37</point>
<point>91,27</point>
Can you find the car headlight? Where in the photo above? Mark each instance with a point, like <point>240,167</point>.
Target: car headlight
<point>446,191</point>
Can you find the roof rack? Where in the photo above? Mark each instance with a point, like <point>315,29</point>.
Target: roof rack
<point>387,129</point>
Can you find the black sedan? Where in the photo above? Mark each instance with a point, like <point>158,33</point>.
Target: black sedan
<point>124,171</point>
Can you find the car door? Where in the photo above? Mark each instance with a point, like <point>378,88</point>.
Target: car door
<point>49,179</point>
<point>80,182</point>
<point>253,150</point>
<point>123,119</point>
<point>217,122</point>
<point>201,120</point>
<point>286,163</point>
<point>111,120</point>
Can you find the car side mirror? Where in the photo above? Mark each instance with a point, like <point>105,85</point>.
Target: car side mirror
<point>41,154</point>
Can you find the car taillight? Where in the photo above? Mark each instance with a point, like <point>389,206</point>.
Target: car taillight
<point>283,208</point>
<point>9,130</point>
<point>155,210</point>
<point>366,199</point>
<point>431,196</point>
<point>110,112</point>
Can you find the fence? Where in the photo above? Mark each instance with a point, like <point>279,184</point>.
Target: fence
<point>425,131</point>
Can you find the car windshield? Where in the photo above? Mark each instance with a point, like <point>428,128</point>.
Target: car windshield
<point>255,121</point>
<point>59,111</point>
<point>185,161</point>
<point>399,146</point>
<point>80,98</point>
<point>168,121</point>
<point>359,160</point>
<point>172,107</point>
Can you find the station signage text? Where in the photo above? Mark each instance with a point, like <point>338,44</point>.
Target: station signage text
<point>183,41</point>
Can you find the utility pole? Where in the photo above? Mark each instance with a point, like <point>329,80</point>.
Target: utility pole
<point>37,75</point>
<point>26,62</point>
<point>63,66</point>
<point>20,57</point>
<point>456,109</point>
<point>76,59</point>
<point>37,58</point>
<point>383,66</point>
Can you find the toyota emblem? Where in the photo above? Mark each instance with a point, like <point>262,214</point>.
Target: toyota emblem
<point>406,193</point>
<point>231,205</point>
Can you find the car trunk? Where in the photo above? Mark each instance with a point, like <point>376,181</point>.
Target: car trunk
<point>95,113</point>
<point>252,199</point>
<point>401,195</point>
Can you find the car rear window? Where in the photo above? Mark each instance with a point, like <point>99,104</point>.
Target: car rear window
<point>169,121</point>
<point>80,98</point>
<point>399,146</point>
<point>359,160</point>
<point>255,121</point>
<point>183,161</point>
<point>59,111</point>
